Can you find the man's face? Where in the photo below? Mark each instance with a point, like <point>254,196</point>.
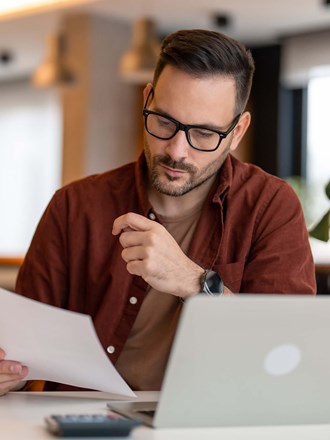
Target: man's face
<point>175,168</point>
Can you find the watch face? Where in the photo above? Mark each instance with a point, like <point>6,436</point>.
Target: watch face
<point>214,283</point>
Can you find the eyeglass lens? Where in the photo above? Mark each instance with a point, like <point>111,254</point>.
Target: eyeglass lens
<point>164,128</point>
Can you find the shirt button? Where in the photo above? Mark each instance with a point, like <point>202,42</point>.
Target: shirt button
<point>111,349</point>
<point>152,216</point>
<point>133,300</point>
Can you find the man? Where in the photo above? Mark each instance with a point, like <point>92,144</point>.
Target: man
<point>130,245</point>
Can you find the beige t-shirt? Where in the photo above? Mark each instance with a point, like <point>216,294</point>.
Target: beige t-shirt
<point>143,359</point>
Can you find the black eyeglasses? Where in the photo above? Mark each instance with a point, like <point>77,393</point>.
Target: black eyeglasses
<point>200,138</point>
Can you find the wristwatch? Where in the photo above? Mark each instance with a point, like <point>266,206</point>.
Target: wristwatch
<point>211,283</point>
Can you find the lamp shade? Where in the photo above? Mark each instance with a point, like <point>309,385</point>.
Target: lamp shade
<point>138,63</point>
<point>52,72</point>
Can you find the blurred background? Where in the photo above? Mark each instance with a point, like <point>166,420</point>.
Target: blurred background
<point>71,79</point>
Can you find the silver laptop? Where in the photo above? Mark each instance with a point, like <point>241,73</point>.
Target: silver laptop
<point>245,360</point>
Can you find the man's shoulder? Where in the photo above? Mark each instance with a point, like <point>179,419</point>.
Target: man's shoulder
<point>255,187</point>
<point>119,178</point>
<point>254,176</point>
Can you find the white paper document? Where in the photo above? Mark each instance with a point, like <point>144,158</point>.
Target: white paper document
<point>56,345</point>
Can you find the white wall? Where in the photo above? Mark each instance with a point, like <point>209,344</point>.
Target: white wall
<point>301,54</point>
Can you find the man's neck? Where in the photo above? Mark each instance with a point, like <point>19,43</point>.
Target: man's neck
<point>170,206</point>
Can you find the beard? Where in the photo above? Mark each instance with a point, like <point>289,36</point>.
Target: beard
<point>191,179</point>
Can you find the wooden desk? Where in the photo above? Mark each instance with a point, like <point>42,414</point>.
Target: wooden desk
<point>322,268</point>
<point>22,418</point>
<point>8,272</point>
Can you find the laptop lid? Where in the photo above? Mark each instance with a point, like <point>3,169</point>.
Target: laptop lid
<point>248,360</point>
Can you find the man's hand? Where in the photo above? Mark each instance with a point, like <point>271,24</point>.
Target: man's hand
<point>152,253</point>
<point>11,374</point>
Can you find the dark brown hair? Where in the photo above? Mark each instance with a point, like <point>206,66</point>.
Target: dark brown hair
<point>201,52</point>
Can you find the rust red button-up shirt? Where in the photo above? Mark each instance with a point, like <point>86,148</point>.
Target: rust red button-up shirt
<point>251,231</point>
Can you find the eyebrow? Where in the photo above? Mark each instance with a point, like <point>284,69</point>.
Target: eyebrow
<point>210,126</point>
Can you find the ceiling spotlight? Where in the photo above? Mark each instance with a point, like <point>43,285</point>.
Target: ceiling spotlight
<point>5,57</point>
<point>221,20</point>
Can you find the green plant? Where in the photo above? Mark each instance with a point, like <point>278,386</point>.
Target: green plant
<point>321,230</point>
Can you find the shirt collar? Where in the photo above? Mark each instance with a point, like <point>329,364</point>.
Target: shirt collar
<point>223,181</point>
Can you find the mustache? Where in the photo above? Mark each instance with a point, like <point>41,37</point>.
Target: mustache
<point>174,164</point>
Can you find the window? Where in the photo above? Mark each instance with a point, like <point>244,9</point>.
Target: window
<point>318,133</point>
<point>318,143</point>
<point>30,161</point>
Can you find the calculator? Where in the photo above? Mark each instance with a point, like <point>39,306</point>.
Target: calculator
<point>90,425</point>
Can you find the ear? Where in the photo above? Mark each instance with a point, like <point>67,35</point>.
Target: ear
<point>146,91</point>
<point>240,130</point>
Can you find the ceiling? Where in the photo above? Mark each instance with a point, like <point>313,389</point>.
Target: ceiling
<point>255,22</point>
<point>252,21</point>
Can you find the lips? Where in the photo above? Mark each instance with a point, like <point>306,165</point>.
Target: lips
<point>173,172</point>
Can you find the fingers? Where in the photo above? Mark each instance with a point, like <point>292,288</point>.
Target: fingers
<point>137,253</point>
<point>11,368</point>
<point>11,373</point>
<point>131,238</point>
<point>9,386</point>
<point>136,267</point>
<point>140,238</point>
<point>131,221</point>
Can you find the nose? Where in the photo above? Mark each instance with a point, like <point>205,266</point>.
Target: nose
<point>177,147</point>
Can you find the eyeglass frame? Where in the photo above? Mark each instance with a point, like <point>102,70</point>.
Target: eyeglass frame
<point>186,127</point>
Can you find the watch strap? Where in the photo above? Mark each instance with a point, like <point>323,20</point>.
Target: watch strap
<point>211,283</point>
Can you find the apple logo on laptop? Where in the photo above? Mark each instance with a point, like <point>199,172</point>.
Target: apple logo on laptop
<point>282,360</point>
